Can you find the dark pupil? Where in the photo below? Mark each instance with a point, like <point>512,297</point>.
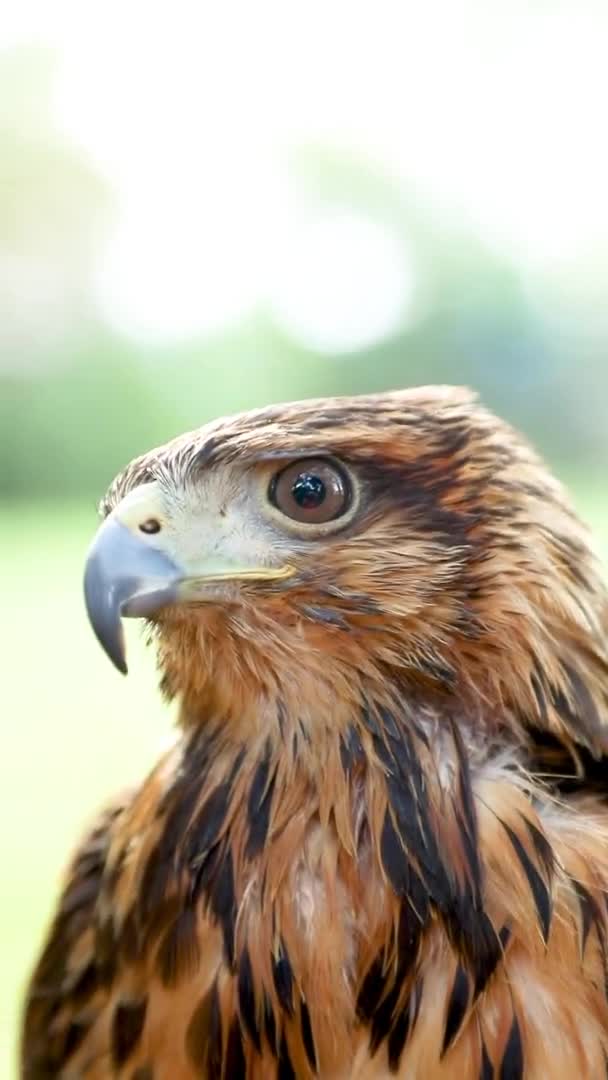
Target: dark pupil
<point>308,491</point>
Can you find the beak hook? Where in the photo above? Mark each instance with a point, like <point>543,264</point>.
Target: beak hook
<point>124,576</point>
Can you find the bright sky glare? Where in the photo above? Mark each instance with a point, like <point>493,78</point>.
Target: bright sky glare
<point>495,112</point>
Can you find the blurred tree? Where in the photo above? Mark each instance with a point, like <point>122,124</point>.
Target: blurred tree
<point>53,208</point>
<point>77,401</point>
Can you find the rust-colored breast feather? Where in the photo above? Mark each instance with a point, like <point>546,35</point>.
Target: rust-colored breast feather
<point>380,847</point>
<point>206,931</point>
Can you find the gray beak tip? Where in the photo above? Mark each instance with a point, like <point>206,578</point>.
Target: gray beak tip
<point>104,617</point>
<point>118,659</point>
<point>124,577</point>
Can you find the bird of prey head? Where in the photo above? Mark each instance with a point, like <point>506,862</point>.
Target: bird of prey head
<point>406,536</point>
<point>380,844</point>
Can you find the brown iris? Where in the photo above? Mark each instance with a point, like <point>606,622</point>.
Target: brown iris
<point>312,491</point>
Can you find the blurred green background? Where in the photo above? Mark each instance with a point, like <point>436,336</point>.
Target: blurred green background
<point>203,212</point>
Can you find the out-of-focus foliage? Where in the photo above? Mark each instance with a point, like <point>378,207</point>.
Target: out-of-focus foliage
<point>77,399</point>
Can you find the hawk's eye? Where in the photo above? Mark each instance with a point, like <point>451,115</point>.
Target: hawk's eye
<point>312,491</point>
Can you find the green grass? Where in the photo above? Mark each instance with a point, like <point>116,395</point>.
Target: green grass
<point>74,730</point>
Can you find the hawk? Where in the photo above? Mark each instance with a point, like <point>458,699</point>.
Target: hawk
<point>379,846</point>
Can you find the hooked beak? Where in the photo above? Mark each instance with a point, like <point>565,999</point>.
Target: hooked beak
<point>128,574</point>
<point>124,576</point>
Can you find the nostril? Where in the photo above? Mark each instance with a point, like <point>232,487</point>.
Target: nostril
<point>151,526</point>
